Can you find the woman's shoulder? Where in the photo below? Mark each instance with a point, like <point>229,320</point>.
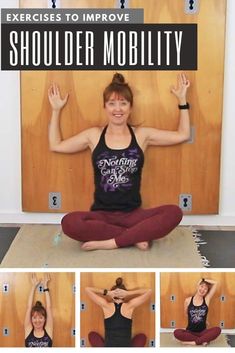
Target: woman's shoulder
<point>138,128</point>
<point>94,130</point>
<point>93,135</point>
<point>142,131</point>
<point>188,300</point>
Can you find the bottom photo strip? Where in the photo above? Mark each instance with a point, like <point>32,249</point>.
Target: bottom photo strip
<point>85,309</point>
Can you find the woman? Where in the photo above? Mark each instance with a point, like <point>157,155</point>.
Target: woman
<point>38,324</point>
<point>116,218</point>
<point>117,315</point>
<point>196,308</point>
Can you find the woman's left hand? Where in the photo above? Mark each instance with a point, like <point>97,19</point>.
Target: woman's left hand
<point>180,90</point>
<point>121,293</point>
<point>46,279</point>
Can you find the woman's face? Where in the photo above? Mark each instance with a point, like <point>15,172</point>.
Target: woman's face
<point>202,289</point>
<point>38,320</point>
<point>117,109</point>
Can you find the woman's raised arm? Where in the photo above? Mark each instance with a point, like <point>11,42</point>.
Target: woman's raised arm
<point>27,321</point>
<point>73,144</point>
<point>49,322</point>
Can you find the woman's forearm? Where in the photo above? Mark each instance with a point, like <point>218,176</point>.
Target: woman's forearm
<point>48,300</point>
<point>27,319</point>
<point>31,296</point>
<point>211,281</point>
<point>101,291</point>
<point>184,123</point>
<point>54,130</point>
<point>138,291</point>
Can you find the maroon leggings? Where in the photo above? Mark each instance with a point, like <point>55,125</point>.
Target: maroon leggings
<point>127,228</point>
<point>97,341</point>
<point>204,336</point>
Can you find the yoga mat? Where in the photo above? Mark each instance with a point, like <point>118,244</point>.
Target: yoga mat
<point>168,340</point>
<point>39,246</point>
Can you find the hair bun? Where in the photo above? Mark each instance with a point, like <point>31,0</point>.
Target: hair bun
<point>118,79</point>
<point>119,281</point>
<point>119,284</point>
<point>38,303</point>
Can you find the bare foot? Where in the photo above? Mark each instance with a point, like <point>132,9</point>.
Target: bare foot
<point>205,343</point>
<point>143,245</point>
<point>189,343</point>
<point>99,245</point>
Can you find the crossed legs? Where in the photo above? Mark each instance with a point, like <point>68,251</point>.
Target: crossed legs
<point>197,338</point>
<point>109,230</point>
<point>96,340</point>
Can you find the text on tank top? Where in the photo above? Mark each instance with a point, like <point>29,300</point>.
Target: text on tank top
<point>117,175</point>
<point>197,315</point>
<point>32,341</point>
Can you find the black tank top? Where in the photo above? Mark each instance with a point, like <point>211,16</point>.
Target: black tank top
<point>197,316</point>
<point>117,329</point>
<point>117,175</point>
<point>32,341</point>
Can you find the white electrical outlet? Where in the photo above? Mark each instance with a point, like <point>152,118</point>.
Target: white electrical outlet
<point>53,4</point>
<point>83,342</point>
<point>6,331</point>
<point>185,202</point>
<point>191,6</point>
<point>172,298</point>
<point>5,288</point>
<point>54,200</point>
<point>83,306</point>
<point>122,4</point>
<point>222,324</point>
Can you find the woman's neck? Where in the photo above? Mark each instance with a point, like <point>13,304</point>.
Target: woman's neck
<point>117,129</point>
<point>198,297</point>
<point>38,332</point>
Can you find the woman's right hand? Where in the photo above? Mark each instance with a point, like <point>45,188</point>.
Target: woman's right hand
<point>57,103</point>
<point>120,293</point>
<point>34,280</point>
<point>111,293</point>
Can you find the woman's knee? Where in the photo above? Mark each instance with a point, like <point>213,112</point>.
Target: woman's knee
<point>95,339</point>
<point>139,340</point>
<point>216,331</point>
<point>174,213</point>
<point>68,224</point>
<point>210,335</point>
<point>171,216</point>
<point>178,333</point>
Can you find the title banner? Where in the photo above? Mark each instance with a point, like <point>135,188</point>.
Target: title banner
<point>27,45</point>
<point>72,15</point>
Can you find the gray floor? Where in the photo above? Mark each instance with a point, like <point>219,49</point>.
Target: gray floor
<point>231,340</point>
<point>220,248</point>
<point>7,235</point>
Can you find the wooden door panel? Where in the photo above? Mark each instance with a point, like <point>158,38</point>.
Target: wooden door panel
<point>190,168</point>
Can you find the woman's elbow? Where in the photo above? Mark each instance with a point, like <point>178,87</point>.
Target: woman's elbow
<point>53,148</point>
<point>185,137</point>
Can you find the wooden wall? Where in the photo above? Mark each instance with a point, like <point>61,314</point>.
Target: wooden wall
<point>183,285</point>
<point>13,307</point>
<point>92,318</point>
<point>191,168</point>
